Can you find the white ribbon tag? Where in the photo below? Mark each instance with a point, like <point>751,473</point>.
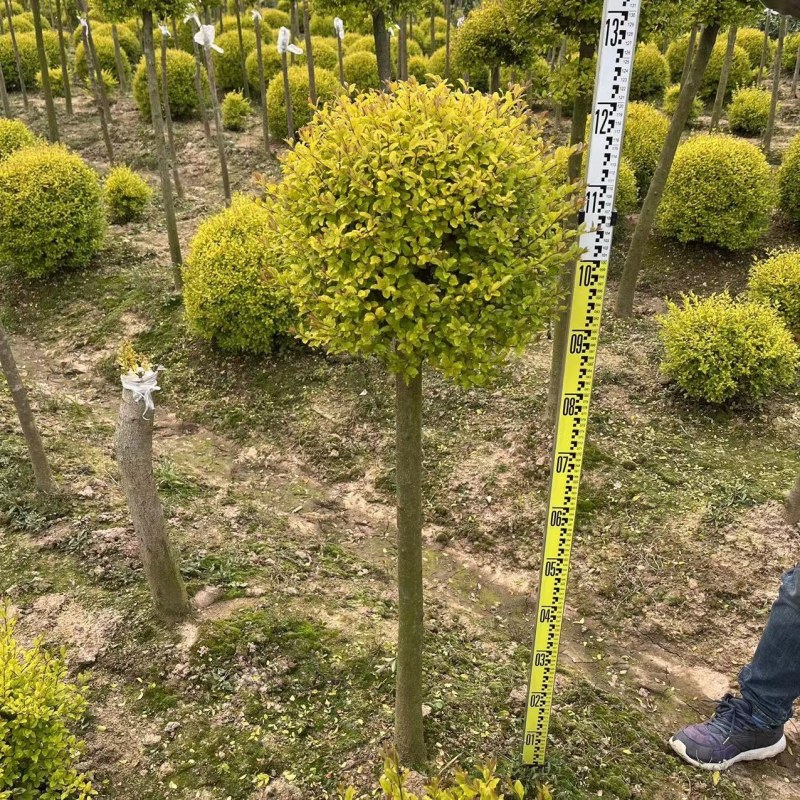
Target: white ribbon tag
<point>338,26</point>
<point>164,31</point>
<point>142,387</point>
<point>393,30</point>
<point>284,43</point>
<point>84,23</point>
<point>205,37</point>
<point>256,15</point>
<point>460,22</point>
<point>194,17</point>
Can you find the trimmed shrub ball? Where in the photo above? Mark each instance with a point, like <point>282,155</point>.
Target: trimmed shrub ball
<point>627,199</point>
<point>741,73</point>
<point>719,350</point>
<point>272,66</point>
<point>676,57</point>
<point>126,195</point>
<point>748,112</point>
<point>302,112</point>
<point>361,70</point>
<point>51,212</point>
<point>180,85</point>
<point>273,18</point>
<point>14,135</point>
<point>228,65</point>
<point>418,68</point>
<point>720,191</point>
<point>645,131</point>
<point>437,62</point>
<point>325,53</point>
<point>104,47</point>
<point>752,41</point>
<point>790,46</point>
<point>128,39</point>
<point>321,25</point>
<point>236,109</point>
<point>789,180</point>
<point>776,281</point>
<point>650,73</point>
<point>232,286</point>
<point>671,103</point>
<point>28,57</point>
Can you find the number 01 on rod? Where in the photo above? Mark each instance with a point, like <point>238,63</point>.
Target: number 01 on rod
<point>620,23</point>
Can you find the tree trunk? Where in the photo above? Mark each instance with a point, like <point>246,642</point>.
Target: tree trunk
<point>559,60</point>
<point>793,504</point>
<point>287,97</point>
<point>796,74</point>
<point>17,60</point>
<point>41,469</point>
<point>580,114</point>
<point>764,47</point>
<point>312,83</point>
<point>402,50</point>
<point>687,62</point>
<point>447,41</point>
<point>294,25</point>
<point>198,87</point>
<point>105,106</point>
<point>52,122</point>
<point>776,86</point>
<point>223,160</point>
<point>408,734</point>
<point>133,447</point>
<point>123,81</point>
<point>94,80</point>
<point>722,86</point>
<point>341,59</point>
<point>173,152</point>
<point>4,95</point>
<point>262,87</point>
<point>494,79</point>
<point>382,47</point>
<point>647,216</point>
<point>433,29</point>
<point>161,151</point>
<point>62,51</point>
<point>246,83</point>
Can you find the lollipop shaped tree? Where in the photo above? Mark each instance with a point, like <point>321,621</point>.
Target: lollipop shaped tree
<point>424,227</point>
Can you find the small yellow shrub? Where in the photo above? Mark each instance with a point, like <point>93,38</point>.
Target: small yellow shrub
<point>645,131</point>
<point>126,195</point>
<point>748,112</point>
<point>776,281</point>
<point>671,103</point>
<point>328,86</point>
<point>789,180</point>
<point>650,73</point>
<point>14,135</point>
<point>236,109</point>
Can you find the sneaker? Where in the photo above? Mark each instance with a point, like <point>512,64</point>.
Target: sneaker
<point>731,735</point>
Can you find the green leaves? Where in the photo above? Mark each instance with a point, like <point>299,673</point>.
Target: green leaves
<point>126,195</point>
<point>776,281</point>
<point>789,180</point>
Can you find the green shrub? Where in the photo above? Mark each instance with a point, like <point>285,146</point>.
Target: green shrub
<point>720,191</point>
<point>128,39</point>
<point>302,112</point>
<point>321,25</point>
<point>645,131</point>
<point>776,281</point>
<point>51,214</point>
<point>272,66</point>
<point>28,57</point>
<point>418,68</point>
<point>789,180</point>
<point>56,81</point>
<point>719,350</point>
<point>21,24</point>
<point>790,46</point>
<point>437,62</point>
<point>14,135</point>
<point>126,195</point>
<point>671,103</point>
<point>363,44</point>
<point>627,200</point>
<point>104,47</point>
<point>538,76</point>
<point>180,85</point>
<point>233,291</point>
<point>228,64</point>
<point>236,109</point>
<point>748,112</point>
<point>273,18</point>
<point>38,706</point>
<point>650,73</point>
<point>741,73</point>
<point>361,70</point>
<point>751,40</point>
<point>676,57</point>
<point>326,54</point>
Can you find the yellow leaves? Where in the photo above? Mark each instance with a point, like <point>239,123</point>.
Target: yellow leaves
<point>715,777</point>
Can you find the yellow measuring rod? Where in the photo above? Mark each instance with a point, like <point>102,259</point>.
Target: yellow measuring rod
<point>620,23</point>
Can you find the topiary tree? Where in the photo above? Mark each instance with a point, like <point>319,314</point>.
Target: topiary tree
<point>720,191</point>
<point>650,73</point>
<point>14,135</point>
<point>327,87</point>
<point>776,281</point>
<point>431,258</point>
<point>670,105</point>
<point>227,64</point>
<point>234,293</point>
<point>236,109</point>
<point>183,99</point>
<point>106,56</point>
<point>361,70</point>
<point>748,113</point>
<point>51,215</point>
<point>126,195</point>
<point>645,131</point>
<point>789,180</point>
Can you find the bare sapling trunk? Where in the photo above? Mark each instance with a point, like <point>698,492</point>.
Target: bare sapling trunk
<point>198,81</point>
<point>161,151</point>
<point>402,49</point>
<point>687,62</point>
<point>133,447</point>
<point>95,79</point>
<point>340,53</point>
<point>223,161</point>
<point>287,98</point>
<point>120,64</point>
<point>17,60</point>
<point>294,25</point>
<point>433,28</point>
<point>408,734</point>
<point>62,53</point>
<point>796,73</point>
<point>41,468</point>
<point>494,79</point>
<point>245,82</point>
<point>447,15</point>
<point>382,47</point>
<point>722,86</point>
<point>764,47</point>
<point>173,151</point>
<point>312,81</point>
<point>561,54</point>
<point>101,84</point>
<point>52,122</point>
<point>262,85</point>
<point>776,86</point>
<point>580,115</point>
<point>4,96</point>
<point>793,504</point>
<point>647,215</point>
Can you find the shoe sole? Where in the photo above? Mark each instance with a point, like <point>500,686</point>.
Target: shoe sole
<point>759,754</point>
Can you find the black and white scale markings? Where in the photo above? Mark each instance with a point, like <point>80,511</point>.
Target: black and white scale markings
<point>620,22</point>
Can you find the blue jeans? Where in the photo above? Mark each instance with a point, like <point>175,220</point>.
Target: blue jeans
<point>771,682</point>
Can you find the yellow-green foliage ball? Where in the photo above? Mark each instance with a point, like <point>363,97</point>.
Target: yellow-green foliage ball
<point>748,112</point>
<point>232,285</point>
<point>126,195</point>
<point>676,57</point>
<point>789,180</point>
<point>183,101</point>
<point>650,73</point>
<point>29,60</point>
<point>442,255</point>
<point>325,53</point>
<point>719,350</point>
<point>776,281</point>
<point>790,46</point>
<point>538,75</point>
<point>645,131</point>
<point>361,70</point>
<point>720,191</point>
<point>51,212</point>
<point>363,44</point>
<point>418,68</point>
<point>228,65</point>
<point>236,109</point>
<point>229,24</point>
<point>321,25</point>
<point>741,73</point>
<point>128,39</point>
<point>302,112</point>
<point>14,135</point>
<point>671,103</point>
<point>104,48</point>
<point>273,18</point>
<point>627,199</point>
<point>437,62</point>
<point>272,66</point>
<point>41,705</point>
<point>752,41</point>
<point>56,81</point>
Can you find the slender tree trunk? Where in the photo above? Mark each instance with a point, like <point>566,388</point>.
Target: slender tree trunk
<point>198,87</point>
<point>123,81</point>
<point>294,25</point>
<point>341,59</point>
<point>52,122</point>
<point>4,95</point>
<point>722,86</point>
<point>91,49</point>
<point>561,54</point>
<point>174,30</point>
<point>433,29</point>
<point>776,86</point>
<point>447,41</point>
<point>312,83</point>
<point>409,738</point>
<point>402,50</point>
<point>94,80</point>
<point>287,97</point>
<point>223,160</point>
<point>494,79</point>
<point>62,51</point>
<point>41,469</point>
<point>161,151</point>
<point>262,87</point>
<point>796,74</point>
<point>687,62</point>
<point>17,59</point>
<point>580,115</point>
<point>241,49</point>
<point>647,216</point>
<point>133,448</point>
<point>793,504</point>
<point>382,47</point>
<point>173,151</point>
<point>764,47</point>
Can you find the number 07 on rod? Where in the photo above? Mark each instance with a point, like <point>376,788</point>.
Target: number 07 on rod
<point>620,23</point>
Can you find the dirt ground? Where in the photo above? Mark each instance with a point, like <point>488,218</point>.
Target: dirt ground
<point>277,477</point>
